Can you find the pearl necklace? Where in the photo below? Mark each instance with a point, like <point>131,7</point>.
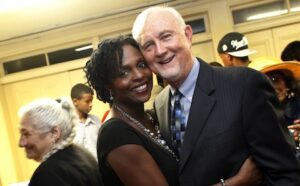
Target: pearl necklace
<point>155,138</point>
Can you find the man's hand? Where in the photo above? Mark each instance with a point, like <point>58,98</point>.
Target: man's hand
<point>248,175</point>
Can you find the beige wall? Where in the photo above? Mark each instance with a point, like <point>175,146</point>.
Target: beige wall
<point>8,161</point>
<point>268,37</point>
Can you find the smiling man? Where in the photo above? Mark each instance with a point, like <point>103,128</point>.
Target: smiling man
<point>226,113</point>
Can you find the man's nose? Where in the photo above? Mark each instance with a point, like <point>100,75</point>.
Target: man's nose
<point>160,49</point>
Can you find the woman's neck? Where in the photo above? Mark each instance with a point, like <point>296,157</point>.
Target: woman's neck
<point>134,110</point>
<point>133,115</point>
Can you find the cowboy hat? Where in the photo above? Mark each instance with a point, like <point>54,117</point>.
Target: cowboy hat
<point>267,64</point>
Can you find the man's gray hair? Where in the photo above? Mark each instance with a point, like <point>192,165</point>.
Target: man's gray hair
<point>139,22</point>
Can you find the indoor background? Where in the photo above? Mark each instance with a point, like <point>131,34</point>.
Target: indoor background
<point>45,43</point>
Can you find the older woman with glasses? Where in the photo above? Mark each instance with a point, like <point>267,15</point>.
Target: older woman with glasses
<point>283,77</point>
<point>47,132</point>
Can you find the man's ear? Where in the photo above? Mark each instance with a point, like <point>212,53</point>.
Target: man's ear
<point>231,59</point>
<point>188,31</point>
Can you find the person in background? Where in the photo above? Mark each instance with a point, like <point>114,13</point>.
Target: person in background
<point>130,148</point>
<point>106,115</point>
<point>221,115</point>
<point>291,52</point>
<point>87,129</point>
<point>233,50</point>
<point>47,132</point>
<point>283,77</point>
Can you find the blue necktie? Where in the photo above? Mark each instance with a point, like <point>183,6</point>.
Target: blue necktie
<point>177,123</point>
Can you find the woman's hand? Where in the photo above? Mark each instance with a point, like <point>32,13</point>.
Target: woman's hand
<point>295,129</point>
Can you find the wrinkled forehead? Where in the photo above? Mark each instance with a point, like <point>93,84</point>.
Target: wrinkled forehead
<point>25,123</point>
<point>158,22</point>
<point>163,19</point>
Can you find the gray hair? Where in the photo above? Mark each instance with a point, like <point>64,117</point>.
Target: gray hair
<point>45,114</point>
<point>139,22</point>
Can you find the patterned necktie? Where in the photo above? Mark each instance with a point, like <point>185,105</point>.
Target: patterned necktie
<point>177,123</point>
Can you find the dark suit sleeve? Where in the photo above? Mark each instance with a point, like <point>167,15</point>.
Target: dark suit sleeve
<point>264,127</point>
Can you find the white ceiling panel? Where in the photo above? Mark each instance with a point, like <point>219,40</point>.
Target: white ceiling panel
<point>23,17</point>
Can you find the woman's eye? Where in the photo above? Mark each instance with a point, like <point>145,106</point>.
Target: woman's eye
<point>124,73</point>
<point>143,64</point>
<point>25,134</point>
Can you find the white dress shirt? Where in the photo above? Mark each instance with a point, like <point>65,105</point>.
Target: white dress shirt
<point>87,133</point>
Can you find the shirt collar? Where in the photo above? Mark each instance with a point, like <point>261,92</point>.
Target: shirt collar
<point>188,86</point>
<point>89,120</point>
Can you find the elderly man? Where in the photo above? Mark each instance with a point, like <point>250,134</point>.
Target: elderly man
<point>222,115</point>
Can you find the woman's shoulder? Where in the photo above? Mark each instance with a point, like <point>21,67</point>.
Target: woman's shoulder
<point>114,125</point>
<point>66,167</point>
<point>114,133</point>
<point>116,128</point>
<point>46,170</point>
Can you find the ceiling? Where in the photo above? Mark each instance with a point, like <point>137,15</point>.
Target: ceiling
<point>24,17</point>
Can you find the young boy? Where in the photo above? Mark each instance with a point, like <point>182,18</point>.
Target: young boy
<point>87,130</point>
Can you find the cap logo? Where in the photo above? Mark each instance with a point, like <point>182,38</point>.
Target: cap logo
<point>238,44</point>
<point>224,47</point>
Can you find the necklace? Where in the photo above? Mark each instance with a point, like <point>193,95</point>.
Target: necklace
<point>155,138</point>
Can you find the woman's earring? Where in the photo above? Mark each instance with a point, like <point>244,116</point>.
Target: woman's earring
<point>111,98</point>
<point>289,94</point>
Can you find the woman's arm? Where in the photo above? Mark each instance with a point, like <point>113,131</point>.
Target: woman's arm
<point>135,166</point>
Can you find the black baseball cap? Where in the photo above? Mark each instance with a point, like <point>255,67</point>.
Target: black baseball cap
<point>235,44</point>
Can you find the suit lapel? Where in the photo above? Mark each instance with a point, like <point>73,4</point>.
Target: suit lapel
<point>202,104</point>
<point>162,112</point>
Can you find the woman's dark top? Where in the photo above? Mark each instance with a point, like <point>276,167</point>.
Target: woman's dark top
<point>115,133</point>
<point>71,166</point>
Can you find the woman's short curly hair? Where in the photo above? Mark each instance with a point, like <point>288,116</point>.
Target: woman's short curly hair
<point>105,63</point>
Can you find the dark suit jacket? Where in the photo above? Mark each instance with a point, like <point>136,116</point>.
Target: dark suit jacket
<point>234,114</point>
<point>71,166</point>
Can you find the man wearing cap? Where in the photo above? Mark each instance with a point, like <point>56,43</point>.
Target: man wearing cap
<point>233,50</point>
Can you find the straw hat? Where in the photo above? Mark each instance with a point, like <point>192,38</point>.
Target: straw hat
<point>266,64</point>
